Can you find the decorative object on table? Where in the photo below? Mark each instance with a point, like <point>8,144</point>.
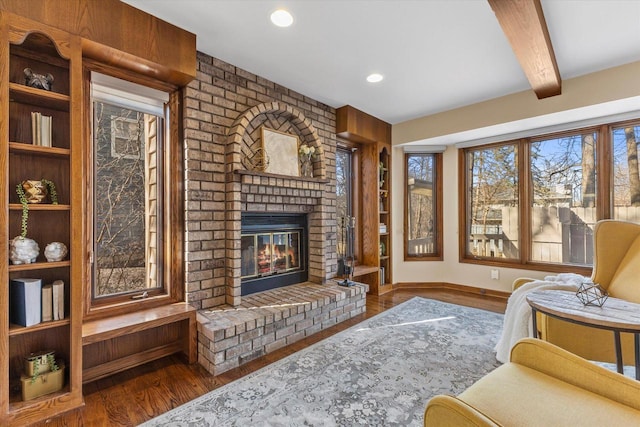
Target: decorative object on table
<point>38,81</point>
<point>25,296</point>
<point>306,152</point>
<point>55,251</point>
<point>590,293</point>
<point>282,151</point>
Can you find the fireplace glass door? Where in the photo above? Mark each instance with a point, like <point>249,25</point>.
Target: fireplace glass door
<point>264,254</point>
<point>273,251</point>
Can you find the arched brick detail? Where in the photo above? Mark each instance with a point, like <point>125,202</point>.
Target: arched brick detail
<point>242,140</point>
<point>244,134</point>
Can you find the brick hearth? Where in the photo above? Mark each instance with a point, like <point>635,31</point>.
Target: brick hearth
<point>229,336</point>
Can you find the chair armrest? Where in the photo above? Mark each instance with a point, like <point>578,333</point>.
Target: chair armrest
<point>520,281</point>
<point>565,366</point>
<point>448,411</point>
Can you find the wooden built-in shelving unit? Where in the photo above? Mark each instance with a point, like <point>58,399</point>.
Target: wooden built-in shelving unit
<point>374,137</point>
<point>28,44</point>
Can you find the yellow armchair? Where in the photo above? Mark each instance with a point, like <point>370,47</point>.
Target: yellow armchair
<point>541,385</point>
<point>617,270</point>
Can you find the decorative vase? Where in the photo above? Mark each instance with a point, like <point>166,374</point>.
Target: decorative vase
<point>23,250</point>
<point>306,167</point>
<point>55,251</point>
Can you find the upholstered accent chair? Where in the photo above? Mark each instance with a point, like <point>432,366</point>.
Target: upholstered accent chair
<point>541,385</point>
<point>616,269</point>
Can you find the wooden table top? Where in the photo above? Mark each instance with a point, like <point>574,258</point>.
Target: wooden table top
<point>615,314</point>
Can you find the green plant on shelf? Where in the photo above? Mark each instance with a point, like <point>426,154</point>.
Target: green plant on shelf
<point>53,366</point>
<point>53,195</point>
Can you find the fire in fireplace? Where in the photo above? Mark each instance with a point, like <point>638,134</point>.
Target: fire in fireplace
<point>273,251</point>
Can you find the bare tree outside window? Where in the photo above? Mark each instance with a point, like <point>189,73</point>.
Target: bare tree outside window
<point>492,211</point>
<point>343,197</point>
<point>421,217</point>
<point>626,178</point>
<point>127,193</point>
<point>563,210</point>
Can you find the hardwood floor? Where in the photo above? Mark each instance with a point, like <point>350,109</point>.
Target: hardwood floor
<point>142,393</point>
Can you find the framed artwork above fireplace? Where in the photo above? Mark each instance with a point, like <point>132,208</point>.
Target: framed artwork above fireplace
<point>281,152</point>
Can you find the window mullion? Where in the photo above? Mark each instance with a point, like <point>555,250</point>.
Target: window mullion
<point>525,195</point>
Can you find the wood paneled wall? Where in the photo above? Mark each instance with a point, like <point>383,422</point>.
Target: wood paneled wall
<point>358,126</point>
<point>118,34</point>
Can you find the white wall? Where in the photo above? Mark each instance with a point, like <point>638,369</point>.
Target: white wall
<point>610,92</point>
<point>449,270</point>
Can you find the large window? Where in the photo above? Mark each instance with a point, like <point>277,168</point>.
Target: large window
<point>535,201</point>
<point>423,211</point>
<point>344,205</point>
<point>128,225</point>
<point>626,180</point>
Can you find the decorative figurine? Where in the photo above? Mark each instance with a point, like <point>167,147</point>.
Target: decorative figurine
<point>38,81</point>
<point>23,250</point>
<point>55,251</point>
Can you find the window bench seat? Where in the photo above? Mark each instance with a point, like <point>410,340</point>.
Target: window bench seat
<point>121,342</point>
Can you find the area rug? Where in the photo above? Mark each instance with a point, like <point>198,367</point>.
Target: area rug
<point>380,372</point>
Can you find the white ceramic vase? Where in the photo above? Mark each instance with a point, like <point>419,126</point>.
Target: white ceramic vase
<point>23,250</point>
<point>55,251</point>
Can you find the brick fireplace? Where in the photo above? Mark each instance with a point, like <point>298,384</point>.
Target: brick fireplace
<point>255,192</point>
<point>225,109</point>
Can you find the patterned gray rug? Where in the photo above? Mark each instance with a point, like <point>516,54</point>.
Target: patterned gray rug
<point>380,372</point>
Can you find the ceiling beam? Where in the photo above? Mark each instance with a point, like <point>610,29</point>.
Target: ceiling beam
<point>526,29</point>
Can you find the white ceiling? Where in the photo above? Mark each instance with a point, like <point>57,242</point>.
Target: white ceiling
<point>435,55</point>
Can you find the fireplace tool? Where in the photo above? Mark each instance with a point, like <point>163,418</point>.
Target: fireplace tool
<point>348,226</point>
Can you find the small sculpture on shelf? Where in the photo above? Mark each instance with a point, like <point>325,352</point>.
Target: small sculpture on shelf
<point>55,251</point>
<point>23,250</point>
<point>38,81</point>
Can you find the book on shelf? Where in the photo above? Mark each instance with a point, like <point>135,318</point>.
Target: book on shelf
<point>40,129</point>
<point>26,301</point>
<point>47,302</point>
<point>58,300</point>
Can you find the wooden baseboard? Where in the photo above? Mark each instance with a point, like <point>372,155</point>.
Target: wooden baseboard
<point>492,293</point>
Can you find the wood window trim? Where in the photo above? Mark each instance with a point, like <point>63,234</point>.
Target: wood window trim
<point>173,242</point>
<point>356,194</point>
<point>438,254</point>
<point>604,204</point>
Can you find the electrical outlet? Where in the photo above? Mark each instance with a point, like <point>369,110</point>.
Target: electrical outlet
<point>495,274</point>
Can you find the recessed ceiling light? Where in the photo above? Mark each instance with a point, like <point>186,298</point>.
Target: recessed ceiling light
<point>374,78</point>
<point>281,18</point>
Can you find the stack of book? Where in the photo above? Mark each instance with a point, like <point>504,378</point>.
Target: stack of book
<point>32,302</point>
<point>40,129</point>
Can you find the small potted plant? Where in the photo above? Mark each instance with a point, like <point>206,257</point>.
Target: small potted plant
<point>43,375</point>
<point>22,249</point>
